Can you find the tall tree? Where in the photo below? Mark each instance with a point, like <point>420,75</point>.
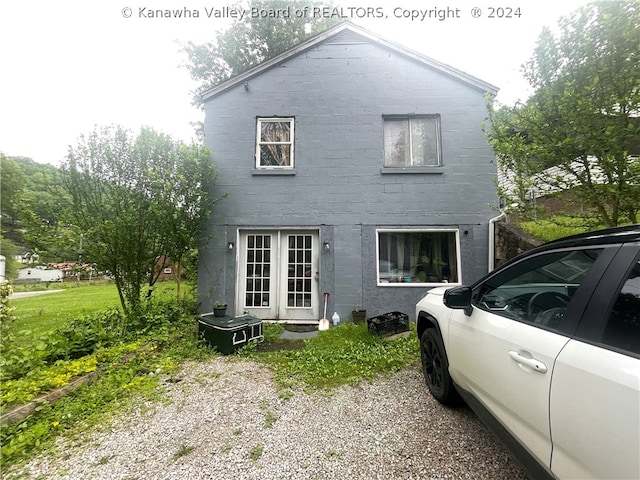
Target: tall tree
<point>251,40</point>
<point>137,198</point>
<point>584,115</point>
<point>33,202</point>
<point>45,195</point>
<point>12,181</point>
<point>9,250</point>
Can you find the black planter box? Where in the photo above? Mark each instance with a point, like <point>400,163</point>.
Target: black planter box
<point>227,334</point>
<point>388,324</point>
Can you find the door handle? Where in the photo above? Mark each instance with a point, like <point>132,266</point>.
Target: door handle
<point>532,363</point>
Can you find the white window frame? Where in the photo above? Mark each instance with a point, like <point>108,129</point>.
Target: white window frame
<point>259,142</point>
<point>456,231</point>
<point>410,119</point>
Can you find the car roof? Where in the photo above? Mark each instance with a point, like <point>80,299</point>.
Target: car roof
<point>628,233</point>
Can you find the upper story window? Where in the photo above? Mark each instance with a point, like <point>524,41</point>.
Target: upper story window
<point>274,147</point>
<point>412,141</point>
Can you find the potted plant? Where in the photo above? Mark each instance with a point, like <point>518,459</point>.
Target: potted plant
<point>358,314</point>
<point>219,308</point>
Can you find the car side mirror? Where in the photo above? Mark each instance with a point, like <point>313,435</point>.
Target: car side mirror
<point>459,298</point>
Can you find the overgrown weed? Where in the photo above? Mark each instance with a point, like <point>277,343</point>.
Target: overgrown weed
<point>339,356</point>
<point>130,371</point>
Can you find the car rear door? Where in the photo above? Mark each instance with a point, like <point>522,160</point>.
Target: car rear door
<point>595,393</point>
<point>503,357</point>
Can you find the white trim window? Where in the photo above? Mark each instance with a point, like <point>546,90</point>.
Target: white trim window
<point>274,143</point>
<point>412,141</point>
<point>418,257</point>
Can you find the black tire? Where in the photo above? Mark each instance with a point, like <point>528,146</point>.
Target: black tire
<point>435,368</point>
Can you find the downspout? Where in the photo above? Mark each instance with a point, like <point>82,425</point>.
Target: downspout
<point>492,239</point>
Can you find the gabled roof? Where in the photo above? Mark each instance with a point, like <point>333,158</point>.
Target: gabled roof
<point>365,36</point>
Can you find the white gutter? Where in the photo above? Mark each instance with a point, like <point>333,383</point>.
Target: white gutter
<point>492,239</point>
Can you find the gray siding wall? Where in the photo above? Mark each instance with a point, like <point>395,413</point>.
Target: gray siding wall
<point>338,93</point>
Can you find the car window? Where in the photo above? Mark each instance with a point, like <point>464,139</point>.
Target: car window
<point>536,290</point>
<point>623,326</point>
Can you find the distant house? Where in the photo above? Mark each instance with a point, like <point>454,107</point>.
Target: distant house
<point>39,274</point>
<point>27,257</point>
<point>164,269</point>
<point>353,166</point>
<point>541,189</point>
<point>77,271</point>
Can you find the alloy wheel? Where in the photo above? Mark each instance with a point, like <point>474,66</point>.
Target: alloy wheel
<point>432,364</point>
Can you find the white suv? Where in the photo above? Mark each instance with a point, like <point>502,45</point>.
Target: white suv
<point>546,351</point>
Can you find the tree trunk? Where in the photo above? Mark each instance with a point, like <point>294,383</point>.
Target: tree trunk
<point>178,266</point>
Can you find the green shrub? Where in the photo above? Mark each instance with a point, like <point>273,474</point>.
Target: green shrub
<point>72,340</point>
<point>7,313</point>
<point>272,331</point>
<point>86,334</point>
<point>560,226</point>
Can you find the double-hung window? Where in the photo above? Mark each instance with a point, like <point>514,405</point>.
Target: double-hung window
<point>274,145</point>
<point>412,141</point>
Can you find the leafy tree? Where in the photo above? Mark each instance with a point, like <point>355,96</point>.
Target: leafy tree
<point>9,250</point>
<point>53,241</point>
<point>250,41</point>
<point>137,198</point>
<point>584,115</point>
<point>44,194</point>
<point>12,181</point>
<point>33,202</point>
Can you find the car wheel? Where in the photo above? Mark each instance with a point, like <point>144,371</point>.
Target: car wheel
<point>435,368</point>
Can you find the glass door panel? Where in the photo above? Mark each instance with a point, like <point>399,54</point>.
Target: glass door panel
<point>299,271</point>
<point>278,273</point>
<point>258,271</point>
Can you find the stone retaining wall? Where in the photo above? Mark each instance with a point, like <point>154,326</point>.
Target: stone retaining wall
<point>512,241</point>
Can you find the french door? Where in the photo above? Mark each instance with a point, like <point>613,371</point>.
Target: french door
<point>278,274</point>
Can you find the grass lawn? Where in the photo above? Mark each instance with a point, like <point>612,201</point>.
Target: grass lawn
<point>44,313</point>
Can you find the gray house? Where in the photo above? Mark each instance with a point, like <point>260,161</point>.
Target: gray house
<point>353,166</point>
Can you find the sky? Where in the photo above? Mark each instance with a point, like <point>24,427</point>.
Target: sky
<point>68,66</point>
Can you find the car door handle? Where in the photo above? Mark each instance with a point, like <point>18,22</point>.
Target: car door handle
<point>532,363</point>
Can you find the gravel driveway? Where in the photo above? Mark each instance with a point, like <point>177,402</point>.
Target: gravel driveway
<point>226,419</point>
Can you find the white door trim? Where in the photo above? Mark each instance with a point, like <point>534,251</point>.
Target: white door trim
<point>276,281</point>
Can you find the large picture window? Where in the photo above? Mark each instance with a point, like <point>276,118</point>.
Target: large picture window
<point>274,147</point>
<point>418,257</point>
<point>412,141</point>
